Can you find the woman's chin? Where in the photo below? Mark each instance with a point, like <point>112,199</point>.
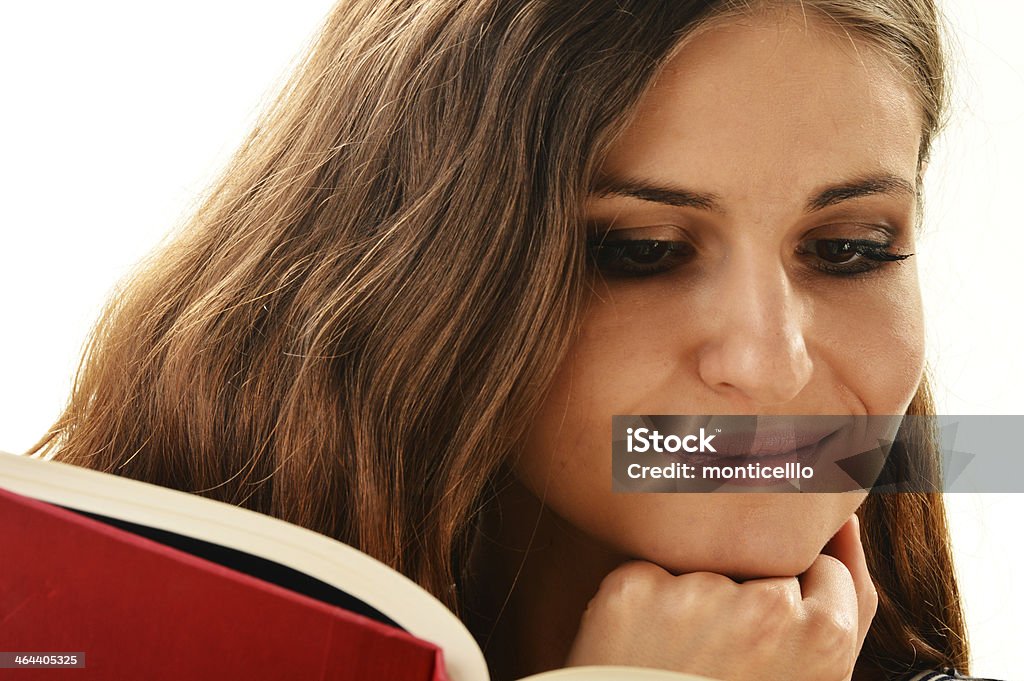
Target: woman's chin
<point>757,567</point>
<point>743,564</point>
<point>740,548</point>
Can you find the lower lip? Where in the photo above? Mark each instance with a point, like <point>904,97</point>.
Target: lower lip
<point>797,456</point>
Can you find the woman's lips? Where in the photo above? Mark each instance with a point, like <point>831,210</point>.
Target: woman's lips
<point>767,442</point>
<point>763,447</point>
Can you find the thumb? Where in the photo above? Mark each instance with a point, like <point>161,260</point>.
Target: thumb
<point>846,546</point>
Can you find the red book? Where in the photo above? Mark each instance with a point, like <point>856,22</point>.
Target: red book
<point>135,607</point>
<point>139,609</point>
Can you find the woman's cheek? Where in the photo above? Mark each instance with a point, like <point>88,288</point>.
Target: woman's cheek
<point>908,348</point>
<point>566,457</point>
<point>876,344</point>
<point>623,362</point>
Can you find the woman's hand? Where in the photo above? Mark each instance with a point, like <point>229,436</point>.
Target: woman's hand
<point>782,628</point>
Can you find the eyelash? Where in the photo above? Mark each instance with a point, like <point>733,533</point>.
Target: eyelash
<point>612,257</point>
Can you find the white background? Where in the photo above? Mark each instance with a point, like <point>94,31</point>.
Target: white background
<point>116,115</point>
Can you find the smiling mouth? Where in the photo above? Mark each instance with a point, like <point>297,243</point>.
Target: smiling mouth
<point>768,448</point>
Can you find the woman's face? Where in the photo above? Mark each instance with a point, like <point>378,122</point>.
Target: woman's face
<point>766,143</point>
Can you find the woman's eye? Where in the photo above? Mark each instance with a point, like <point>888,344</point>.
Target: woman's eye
<point>846,257</point>
<point>639,257</point>
<point>646,257</point>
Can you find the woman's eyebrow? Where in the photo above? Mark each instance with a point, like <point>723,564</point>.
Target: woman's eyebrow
<point>866,185</point>
<point>857,187</point>
<point>646,190</point>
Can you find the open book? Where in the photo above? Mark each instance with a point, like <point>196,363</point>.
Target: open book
<point>141,579</point>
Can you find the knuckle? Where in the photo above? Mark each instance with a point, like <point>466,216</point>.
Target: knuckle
<point>700,590</point>
<point>774,601</point>
<point>628,582</point>
<point>705,582</point>
<point>769,615</point>
<point>832,634</point>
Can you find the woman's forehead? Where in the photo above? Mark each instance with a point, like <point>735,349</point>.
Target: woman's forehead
<point>759,102</point>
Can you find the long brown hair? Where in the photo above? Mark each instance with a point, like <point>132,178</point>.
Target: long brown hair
<point>356,327</point>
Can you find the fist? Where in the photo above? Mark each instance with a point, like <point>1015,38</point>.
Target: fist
<point>810,627</point>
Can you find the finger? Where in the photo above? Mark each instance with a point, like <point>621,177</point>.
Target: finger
<point>847,546</point>
<point>783,586</point>
<point>829,584</point>
<point>830,602</point>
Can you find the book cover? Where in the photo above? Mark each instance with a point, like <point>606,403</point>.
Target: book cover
<point>129,603</point>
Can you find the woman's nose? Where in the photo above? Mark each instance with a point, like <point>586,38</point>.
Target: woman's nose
<point>754,342</point>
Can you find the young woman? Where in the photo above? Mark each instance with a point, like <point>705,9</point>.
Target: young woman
<point>469,232</point>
